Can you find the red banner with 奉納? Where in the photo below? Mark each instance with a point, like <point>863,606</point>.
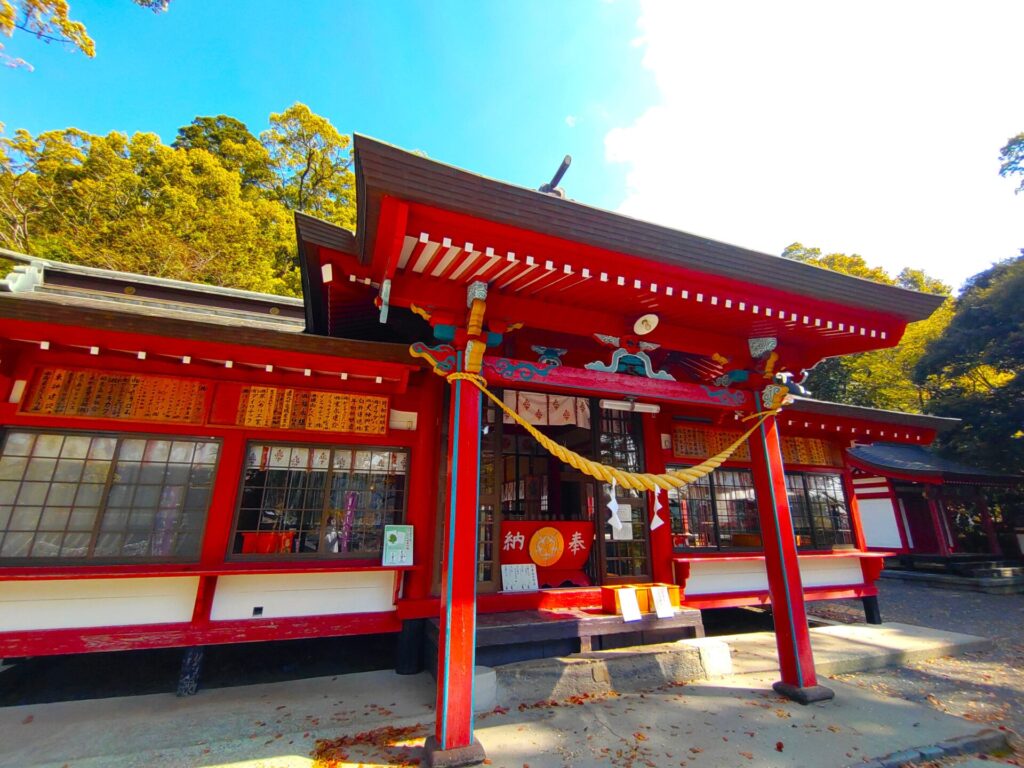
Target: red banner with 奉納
<point>559,548</point>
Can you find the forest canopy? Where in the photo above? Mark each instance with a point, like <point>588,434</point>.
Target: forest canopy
<point>214,206</point>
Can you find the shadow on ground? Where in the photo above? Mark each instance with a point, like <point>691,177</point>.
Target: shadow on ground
<point>47,679</point>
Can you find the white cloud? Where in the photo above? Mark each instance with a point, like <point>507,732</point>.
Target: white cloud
<point>868,127</point>
<point>570,120</point>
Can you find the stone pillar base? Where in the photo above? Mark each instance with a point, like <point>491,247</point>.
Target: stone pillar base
<point>435,757</point>
<point>807,695</point>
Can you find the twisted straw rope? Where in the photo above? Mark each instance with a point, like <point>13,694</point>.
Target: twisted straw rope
<point>640,481</point>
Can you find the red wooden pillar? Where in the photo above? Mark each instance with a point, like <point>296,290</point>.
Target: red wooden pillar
<point>937,522</point>
<point>792,637</point>
<point>453,743</point>
<point>981,505</point>
<point>423,480</point>
<point>856,526</point>
<point>661,537</point>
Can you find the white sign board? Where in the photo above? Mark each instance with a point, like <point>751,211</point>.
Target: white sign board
<point>519,578</point>
<point>662,604</point>
<point>628,603</point>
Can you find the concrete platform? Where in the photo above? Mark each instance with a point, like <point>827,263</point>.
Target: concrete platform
<point>992,585</point>
<point>730,720</point>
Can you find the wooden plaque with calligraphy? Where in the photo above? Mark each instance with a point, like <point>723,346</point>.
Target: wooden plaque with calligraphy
<point>281,408</point>
<point>810,451</point>
<point>688,442</point>
<point>720,439</point>
<point>131,397</point>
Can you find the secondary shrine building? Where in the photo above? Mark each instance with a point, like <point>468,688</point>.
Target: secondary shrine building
<point>185,465</point>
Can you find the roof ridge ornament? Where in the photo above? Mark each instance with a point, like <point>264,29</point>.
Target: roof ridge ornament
<point>552,188</point>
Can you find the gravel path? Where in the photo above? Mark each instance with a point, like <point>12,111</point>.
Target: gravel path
<point>986,686</point>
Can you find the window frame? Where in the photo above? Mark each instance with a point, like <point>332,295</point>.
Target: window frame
<point>713,498</point>
<point>816,533</point>
<point>102,507</point>
<point>318,556</point>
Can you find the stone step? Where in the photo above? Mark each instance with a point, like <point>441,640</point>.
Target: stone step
<point>996,573</point>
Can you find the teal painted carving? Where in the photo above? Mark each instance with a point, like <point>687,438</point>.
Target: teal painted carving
<point>441,357</point>
<point>549,355</point>
<point>517,370</point>
<point>630,356</point>
<point>724,396</point>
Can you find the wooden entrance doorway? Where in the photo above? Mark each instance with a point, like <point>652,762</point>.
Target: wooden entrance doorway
<point>523,489</point>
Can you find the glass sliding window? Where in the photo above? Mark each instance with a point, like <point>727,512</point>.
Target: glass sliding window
<point>319,501</point>
<point>818,505</point>
<point>625,549</point>
<point>718,511</point>
<point>102,496</point>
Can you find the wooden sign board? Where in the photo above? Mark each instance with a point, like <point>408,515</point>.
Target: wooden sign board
<point>286,408</point>
<point>123,396</point>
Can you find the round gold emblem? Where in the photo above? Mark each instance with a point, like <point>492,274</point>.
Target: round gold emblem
<point>546,546</point>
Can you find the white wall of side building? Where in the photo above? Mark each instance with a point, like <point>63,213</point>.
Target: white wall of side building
<point>878,519</point>
<point>80,603</point>
<point>302,594</point>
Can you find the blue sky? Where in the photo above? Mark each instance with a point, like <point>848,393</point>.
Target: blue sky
<point>487,86</point>
<point>865,127</point>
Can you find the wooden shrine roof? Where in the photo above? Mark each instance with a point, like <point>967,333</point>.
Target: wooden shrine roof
<point>915,461</point>
<point>382,169</point>
<point>874,415</point>
<point>48,292</point>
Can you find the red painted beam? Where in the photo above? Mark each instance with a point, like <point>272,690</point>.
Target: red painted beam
<point>501,371</point>
<point>53,642</point>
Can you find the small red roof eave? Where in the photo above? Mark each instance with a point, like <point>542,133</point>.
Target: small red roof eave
<point>865,466</point>
<point>200,354</point>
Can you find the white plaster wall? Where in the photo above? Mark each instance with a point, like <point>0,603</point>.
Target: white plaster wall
<point>708,577</point>
<point>830,571</point>
<point>74,603</point>
<point>878,519</point>
<point>302,594</point>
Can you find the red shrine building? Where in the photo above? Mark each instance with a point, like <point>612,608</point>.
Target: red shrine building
<point>184,465</point>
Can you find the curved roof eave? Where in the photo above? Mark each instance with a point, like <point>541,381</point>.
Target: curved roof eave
<point>383,169</point>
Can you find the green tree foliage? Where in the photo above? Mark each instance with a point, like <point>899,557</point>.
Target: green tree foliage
<point>137,205</point>
<point>878,379</point>
<point>313,163</point>
<point>232,143</point>
<point>975,370</point>
<point>1011,158</point>
<point>48,20</point>
<point>214,207</point>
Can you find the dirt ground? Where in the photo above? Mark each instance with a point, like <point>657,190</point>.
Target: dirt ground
<point>986,686</point>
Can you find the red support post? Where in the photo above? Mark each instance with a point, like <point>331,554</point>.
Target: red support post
<point>453,742</point>
<point>856,526</point>
<point>423,477</point>
<point>796,660</point>
<point>938,524</point>
<point>661,537</point>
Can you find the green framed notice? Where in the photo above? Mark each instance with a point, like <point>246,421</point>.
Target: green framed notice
<point>397,545</point>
